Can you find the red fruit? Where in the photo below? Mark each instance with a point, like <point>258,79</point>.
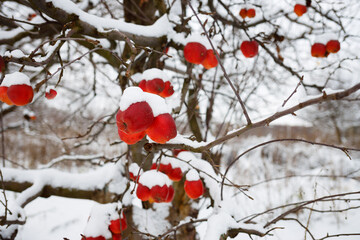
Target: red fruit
<point>249,48</point>
<point>143,192</point>
<point>116,236</point>
<point>132,177</point>
<point>300,9</point>
<point>129,138</point>
<point>333,46</point>
<point>142,85</point>
<point>21,94</point>
<point>118,225</point>
<point>159,194</point>
<point>176,174</point>
<point>251,13</point>
<point>51,94</point>
<point>210,60</point>
<point>168,90</point>
<point>166,50</point>
<point>94,238</point>
<point>155,86</point>
<point>165,168</point>
<point>243,13</point>
<point>318,50</point>
<point>171,194</point>
<point>162,129</point>
<point>4,96</point>
<point>2,64</point>
<point>194,189</point>
<point>31,16</point>
<point>153,166</point>
<point>136,118</point>
<point>194,52</point>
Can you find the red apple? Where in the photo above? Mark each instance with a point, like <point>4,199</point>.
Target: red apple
<point>243,13</point>
<point>155,86</point>
<point>168,90</point>
<point>159,194</point>
<point>143,192</point>
<point>131,138</point>
<point>20,94</point>
<point>171,194</point>
<point>118,225</point>
<point>333,46</point>
<point>136,118</point>
<point>249,48</point>
<point>194,189</point>
<point>194,52</point>
<point>176,174</point>
<point>162,129</point>
<point>300,9</point>
<point>318,50</point>
<point>31,16</point>
<point>51,94</point>
<point>142,85</point>
<point>116,236</point>
<point>251,13</point>
<point>4,96</point>
<point>210,60</point>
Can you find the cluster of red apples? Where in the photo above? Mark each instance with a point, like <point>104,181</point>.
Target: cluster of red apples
<point>141,114</point>
<point>250,13</point>
<point>196,53</point>
<point>321,50</point>
<point>155,185</point>
<point>16,89</point>
<point>157,86</point>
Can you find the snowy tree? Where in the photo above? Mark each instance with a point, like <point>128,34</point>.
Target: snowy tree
<point>163,118</point>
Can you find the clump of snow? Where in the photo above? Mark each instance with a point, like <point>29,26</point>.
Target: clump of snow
<point>15,53</point>
<point>219,224</point>
<point>200,39</point>
<point>16,78</point>
<point>152,178</point>
<point>135,94</point>
<point>153,73</point>
<point>48,88</point>
<point>192,175</point>
<point>99,220</point>
<point>134,169</point>
<point>137,77</point>
<point>175,163</point>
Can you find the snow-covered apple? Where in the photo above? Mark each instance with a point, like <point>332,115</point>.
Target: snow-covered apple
<point>19,89</point>
<point>194,52</point>
<point>168,90</point>
<point>118,225</point>
<point>193,185</point>
<point>249,48</point>
<point>136,118</point>
<point>155,86</point>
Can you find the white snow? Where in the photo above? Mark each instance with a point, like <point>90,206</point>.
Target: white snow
<point>17,53</point>
<point>192,175</point>
<point>134,169</point>
<point>218,224</point>
<point>16,78</point>
<point>153,73</point>
<point>152,178</point>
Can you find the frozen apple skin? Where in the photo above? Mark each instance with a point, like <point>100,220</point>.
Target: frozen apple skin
<point>210,60</point>
<point>318,50</point>
<point>251,13</point>
<point>136,118</point>
<point>155,86</point>
<point>159,193</point>
<point>162,129</point>
<point>194,189</point>
<point>249,48</point>
<point>333,46</point>
<point>194,52</point>
<point>243,13</point>
<point>143,192</point>
<point>300,9</point>
<point>4,96</point>
<point>129,138</point>
<point>51,94</point>
<point>20,94</point>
